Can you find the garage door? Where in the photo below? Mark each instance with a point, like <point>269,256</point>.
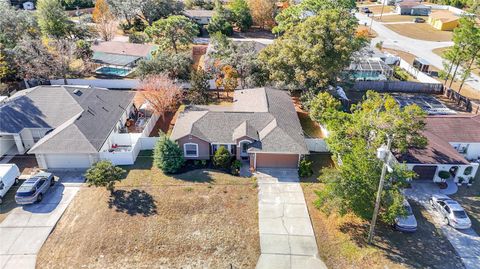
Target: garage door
<point>6,143</point>
<point>425,172</point>
<point>277,160</point>
<point>67,161</point>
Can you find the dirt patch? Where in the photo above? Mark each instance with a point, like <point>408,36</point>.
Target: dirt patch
<point>378,9</point>
<point>153,220</point>
<point>421,31</point>
<point>342,241</point>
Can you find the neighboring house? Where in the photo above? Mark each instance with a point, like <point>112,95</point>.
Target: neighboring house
<point>443,20</point>
<point>453,146</point>
<point>412,9</point>
<point>261,126</point>
<point>200,16</point>
<point>73,127</point>
<point>119,58</point>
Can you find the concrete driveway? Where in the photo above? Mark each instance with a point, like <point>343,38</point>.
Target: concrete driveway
<point>287,239</point>
<point>466,242</point>
<point>26,228</point>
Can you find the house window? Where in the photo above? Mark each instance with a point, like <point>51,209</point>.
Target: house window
<point>190,150</point>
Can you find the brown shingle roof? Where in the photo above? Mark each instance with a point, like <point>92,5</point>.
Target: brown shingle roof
<point>444,16</point>
<point>440,130</point>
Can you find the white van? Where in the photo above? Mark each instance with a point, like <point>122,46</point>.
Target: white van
<point>9,174</point>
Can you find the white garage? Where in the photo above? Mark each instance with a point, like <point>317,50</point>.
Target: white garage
<point>53,161</point>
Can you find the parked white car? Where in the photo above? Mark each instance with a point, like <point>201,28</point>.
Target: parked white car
<point>9,174</point>
<point>452,211</point>
<point>406,223</point>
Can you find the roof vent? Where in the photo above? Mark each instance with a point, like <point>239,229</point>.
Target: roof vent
<point>77,92</point>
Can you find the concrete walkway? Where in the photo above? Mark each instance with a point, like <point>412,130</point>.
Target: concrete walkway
<point>465,242</point>
<point>287,239</point>
<point>26,228</point>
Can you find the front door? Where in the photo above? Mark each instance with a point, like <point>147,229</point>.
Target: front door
<point>243,149</point>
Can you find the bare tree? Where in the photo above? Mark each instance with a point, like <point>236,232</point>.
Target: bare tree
<point>106,28</point>
<point>162,93</point>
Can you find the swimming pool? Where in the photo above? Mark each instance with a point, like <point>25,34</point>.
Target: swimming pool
<point>113,71</point>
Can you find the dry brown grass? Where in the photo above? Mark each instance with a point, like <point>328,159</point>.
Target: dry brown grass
<point>378,9</point>
<point>201,219</point>
<point>396,18</point>
<point>338,244</point>
<point>421,31</point>
<point>342,241</point>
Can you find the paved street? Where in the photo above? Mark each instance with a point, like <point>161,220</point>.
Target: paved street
<point>420,48</point>
<point>287,238</point>
<point>26,228</point>
<point>466,242</point>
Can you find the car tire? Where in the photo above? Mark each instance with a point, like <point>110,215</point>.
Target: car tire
<point>17,181</point>
<point>1,200</point>
<point>39,197</point>
<point>52,182</point>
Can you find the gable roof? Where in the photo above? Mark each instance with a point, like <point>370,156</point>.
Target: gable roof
<point>36,108</point>
<point>264,114</point>
<point>440,132</point>
<point>80,119</point>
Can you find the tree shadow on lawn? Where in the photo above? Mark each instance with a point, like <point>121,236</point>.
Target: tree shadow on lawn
<point>134,202</point>
<point>426,248</point>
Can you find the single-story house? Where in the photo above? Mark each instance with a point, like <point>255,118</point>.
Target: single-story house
<point>73,126</point>
<point>261,126</point>
<point>453,146</point>
<point>443,20</point>
<point>119,58</point>
<point>200,16</point>
<point>412,9</point>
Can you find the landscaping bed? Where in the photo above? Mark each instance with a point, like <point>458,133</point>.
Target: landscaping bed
<point>199,219</point>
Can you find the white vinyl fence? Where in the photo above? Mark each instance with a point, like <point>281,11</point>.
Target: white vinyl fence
<point>422,77</point>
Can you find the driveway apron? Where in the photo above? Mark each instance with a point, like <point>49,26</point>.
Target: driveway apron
<point>287,239</point>
<point>26,228</point>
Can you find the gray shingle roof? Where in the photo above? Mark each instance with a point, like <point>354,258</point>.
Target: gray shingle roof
<point>82,117</point>
<point>278,128</point>
<point>37,108</point>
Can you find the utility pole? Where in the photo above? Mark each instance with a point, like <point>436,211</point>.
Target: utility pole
<point>380,189</point>
<point>383,6</point>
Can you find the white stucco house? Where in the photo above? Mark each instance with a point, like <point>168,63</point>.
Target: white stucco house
<point>75,126</point>
<point>453,146</point>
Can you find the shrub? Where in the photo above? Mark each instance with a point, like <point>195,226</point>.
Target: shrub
<point>400,74</point>
<point>235,167</point>
<point>167,155</point>
<point>221,158</point>
<point>138,25</point>
<point>137,38</point>
<point>104,174</point>
<point>468,171</point>
<point>305,168</point>
<point>444,174</point>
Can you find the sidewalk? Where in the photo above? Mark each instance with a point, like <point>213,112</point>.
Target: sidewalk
<point>287,239</point>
